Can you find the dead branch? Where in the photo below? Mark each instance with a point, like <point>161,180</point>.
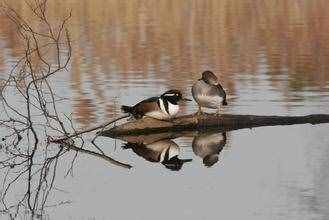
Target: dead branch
<point>208,121</point>
<point>36,135</point>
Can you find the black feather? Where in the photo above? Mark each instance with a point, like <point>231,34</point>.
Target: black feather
<point>166,105</point>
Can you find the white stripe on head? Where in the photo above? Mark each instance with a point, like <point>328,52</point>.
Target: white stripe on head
<point>170,94</point>
<point>162,107</point>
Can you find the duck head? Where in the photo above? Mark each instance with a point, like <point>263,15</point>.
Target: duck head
<point>209,78</point>
<point>174,96</point>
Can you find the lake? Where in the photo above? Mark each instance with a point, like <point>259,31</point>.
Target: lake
<point>272,58</point>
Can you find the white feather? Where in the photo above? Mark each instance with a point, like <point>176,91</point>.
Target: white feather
<point>210,101</point>
<point>173,151</point>
<point>173,109</point>
<point>162,113</point>
<point>162,107</point>
<point>158,115</point>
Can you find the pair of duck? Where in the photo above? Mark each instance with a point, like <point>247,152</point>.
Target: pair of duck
<point>207,92</point>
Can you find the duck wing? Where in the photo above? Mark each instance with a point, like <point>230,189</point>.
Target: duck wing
<point>152,99</point>
<point>221,92</point>
<point>142,107</point>
<point>217,90</point>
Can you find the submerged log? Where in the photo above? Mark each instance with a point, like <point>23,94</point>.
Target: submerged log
<point>224,122</point>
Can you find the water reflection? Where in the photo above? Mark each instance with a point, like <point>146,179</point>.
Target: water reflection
<point>165,152</point>
<point>162,148</point>
<point>208,146</point>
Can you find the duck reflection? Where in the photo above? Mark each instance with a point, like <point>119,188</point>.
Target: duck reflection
<point>208,146</point>
<point>164,151</point>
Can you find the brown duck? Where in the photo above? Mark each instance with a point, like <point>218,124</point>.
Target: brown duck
<point>161,107</point>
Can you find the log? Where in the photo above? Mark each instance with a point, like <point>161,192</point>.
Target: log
<point>221,123</point>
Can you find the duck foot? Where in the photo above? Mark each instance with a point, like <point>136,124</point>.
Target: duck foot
<point>218,113</point>
<point>199,112</point>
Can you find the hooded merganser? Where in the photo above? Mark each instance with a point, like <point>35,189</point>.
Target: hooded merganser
<point>163,107</point>
<point>164,151</point>
<point>207,92</point>
<point>208,146</point>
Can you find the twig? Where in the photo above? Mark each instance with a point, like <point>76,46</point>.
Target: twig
<point>98,127</point>
<point>109,159</point>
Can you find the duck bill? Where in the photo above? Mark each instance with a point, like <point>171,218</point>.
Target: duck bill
<point>186,100</point>
<point>186,160</point>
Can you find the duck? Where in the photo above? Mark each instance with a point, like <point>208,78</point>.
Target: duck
<point>208,92</point>
<point>208,146</point>
<point>164,107</point>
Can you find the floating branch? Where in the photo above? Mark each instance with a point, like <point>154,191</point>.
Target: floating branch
<point>223,122</point>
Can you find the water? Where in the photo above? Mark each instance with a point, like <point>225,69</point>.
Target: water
<point>272,59</point>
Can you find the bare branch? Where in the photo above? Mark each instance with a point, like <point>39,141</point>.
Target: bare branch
<point>36,134</point>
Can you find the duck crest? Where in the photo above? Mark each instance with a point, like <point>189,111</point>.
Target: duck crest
<point>172,99</point>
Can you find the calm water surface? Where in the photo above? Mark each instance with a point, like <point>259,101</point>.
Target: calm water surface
<point>271,56</point>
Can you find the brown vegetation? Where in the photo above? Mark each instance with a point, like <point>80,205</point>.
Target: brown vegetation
<point>179,38</point>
